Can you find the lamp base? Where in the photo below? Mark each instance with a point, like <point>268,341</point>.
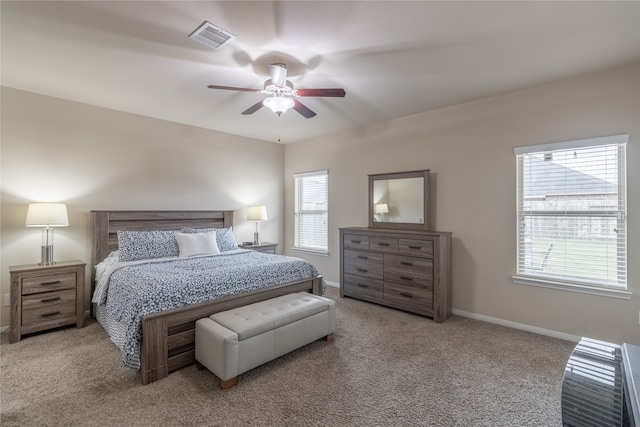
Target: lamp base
<point>46,255</point>
<point>256,239</point>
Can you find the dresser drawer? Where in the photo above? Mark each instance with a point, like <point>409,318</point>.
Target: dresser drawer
<point>47,283</point>
<point>383,244</point>
<point>410,277</point>
<point>362,257</point>
<point>420,265</point>
<point>355,241</point>
<point>49,306</point>
<point>420,299</point>
<point>362,287</point>
<point>416,247</point>
<point>372,271</point>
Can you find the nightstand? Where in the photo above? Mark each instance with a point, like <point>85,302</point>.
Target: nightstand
<point>46,297</point>
<point>266,247</point>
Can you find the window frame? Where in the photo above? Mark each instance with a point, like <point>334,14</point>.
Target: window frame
<point>299,210</point>
<point>525,275</point>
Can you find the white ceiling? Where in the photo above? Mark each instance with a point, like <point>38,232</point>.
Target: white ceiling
<point>393,58</point>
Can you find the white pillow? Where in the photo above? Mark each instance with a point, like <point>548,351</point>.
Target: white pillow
<point>191,244</point>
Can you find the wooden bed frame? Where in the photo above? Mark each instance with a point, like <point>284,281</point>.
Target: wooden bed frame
<point>168,337</point>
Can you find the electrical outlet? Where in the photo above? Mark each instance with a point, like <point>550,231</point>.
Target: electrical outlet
<point>7,299</point>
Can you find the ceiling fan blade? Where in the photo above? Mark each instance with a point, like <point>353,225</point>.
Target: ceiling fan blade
<point>302,109</point>
<point>255,107</point>
<point>278,74</point>
<point>321,92</point>
<point>242,89</point>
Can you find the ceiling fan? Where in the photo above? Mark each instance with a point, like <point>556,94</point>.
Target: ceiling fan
<point>282,94</point>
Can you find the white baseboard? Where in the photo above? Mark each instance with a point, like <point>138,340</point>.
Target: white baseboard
<point>462,313</point>
<point>521,326</point>
<point>509,324</point>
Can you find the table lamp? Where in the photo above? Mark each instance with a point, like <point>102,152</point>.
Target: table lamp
<point>47,216</point>
<point>257,214</point>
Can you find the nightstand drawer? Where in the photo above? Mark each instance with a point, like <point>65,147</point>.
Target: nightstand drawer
<point>264,247</point>
<point>48,283</point>
<point>271,249</point>
<point>48,306</point>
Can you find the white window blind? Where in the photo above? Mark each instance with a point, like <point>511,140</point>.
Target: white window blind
<point>311,214</point>
<point>572,212</point>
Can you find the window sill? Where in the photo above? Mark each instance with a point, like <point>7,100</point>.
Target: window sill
<point>573,287</point>
<point>311,251</point>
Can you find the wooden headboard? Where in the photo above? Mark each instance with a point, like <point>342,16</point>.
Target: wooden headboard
<point>105,226</point>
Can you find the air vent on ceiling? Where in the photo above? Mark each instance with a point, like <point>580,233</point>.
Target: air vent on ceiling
<point>212,36</point>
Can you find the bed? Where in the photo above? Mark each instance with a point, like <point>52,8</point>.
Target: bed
<point>167,337</point>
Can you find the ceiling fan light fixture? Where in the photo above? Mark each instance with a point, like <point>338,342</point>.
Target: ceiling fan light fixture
<point>278,104</point>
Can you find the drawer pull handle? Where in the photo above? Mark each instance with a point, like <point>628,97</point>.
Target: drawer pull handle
<point>406,278</point>
<point>50,283</point>
<point>383,244</point>
<point>50,299</point>
<point>362,270</point>
<point>404,294</point>
<point>50,314</point>
<point>362,285</point>
<point>356,242</point>
<point>415,247</point>
<point>406,263</point>
<point>362,257</point>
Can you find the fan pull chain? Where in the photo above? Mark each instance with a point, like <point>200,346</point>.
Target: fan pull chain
<point>279,127</point>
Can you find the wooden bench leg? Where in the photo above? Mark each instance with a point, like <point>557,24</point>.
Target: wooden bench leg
<point>329,337</point>
<point>228,383</point>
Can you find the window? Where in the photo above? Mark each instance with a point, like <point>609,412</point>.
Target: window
<point>311,214</point>
<point>572,215</point>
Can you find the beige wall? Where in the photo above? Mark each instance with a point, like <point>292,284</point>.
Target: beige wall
<point>92,158</point>
<point>469,149</point>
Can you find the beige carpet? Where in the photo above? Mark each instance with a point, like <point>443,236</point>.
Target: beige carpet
<point>385,368</point>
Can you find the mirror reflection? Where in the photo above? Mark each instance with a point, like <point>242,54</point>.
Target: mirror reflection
<point>398,200</point>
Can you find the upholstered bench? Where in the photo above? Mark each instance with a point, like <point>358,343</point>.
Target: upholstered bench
<point>232,342</point>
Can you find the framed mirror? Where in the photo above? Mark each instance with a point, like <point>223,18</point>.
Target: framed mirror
<point>399,200</point>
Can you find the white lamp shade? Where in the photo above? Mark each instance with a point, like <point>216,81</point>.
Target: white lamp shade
<point>47,215</point>
<point>256,213</point>
<point>382,208</point>
<point>278,104</point>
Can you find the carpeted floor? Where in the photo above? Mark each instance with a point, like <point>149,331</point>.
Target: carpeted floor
<point>384,368</point>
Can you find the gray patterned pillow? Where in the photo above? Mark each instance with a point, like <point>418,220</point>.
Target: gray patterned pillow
<point>137,245</point>
<point>224,237</point>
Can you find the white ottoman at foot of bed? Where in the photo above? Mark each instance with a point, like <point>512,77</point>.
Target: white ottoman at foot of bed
<point>232,342</point>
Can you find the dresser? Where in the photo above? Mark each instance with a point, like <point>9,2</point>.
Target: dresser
<point>45,297</point>
<point>405,269</point>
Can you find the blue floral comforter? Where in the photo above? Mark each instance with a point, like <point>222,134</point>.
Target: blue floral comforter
<point>131,290</point>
